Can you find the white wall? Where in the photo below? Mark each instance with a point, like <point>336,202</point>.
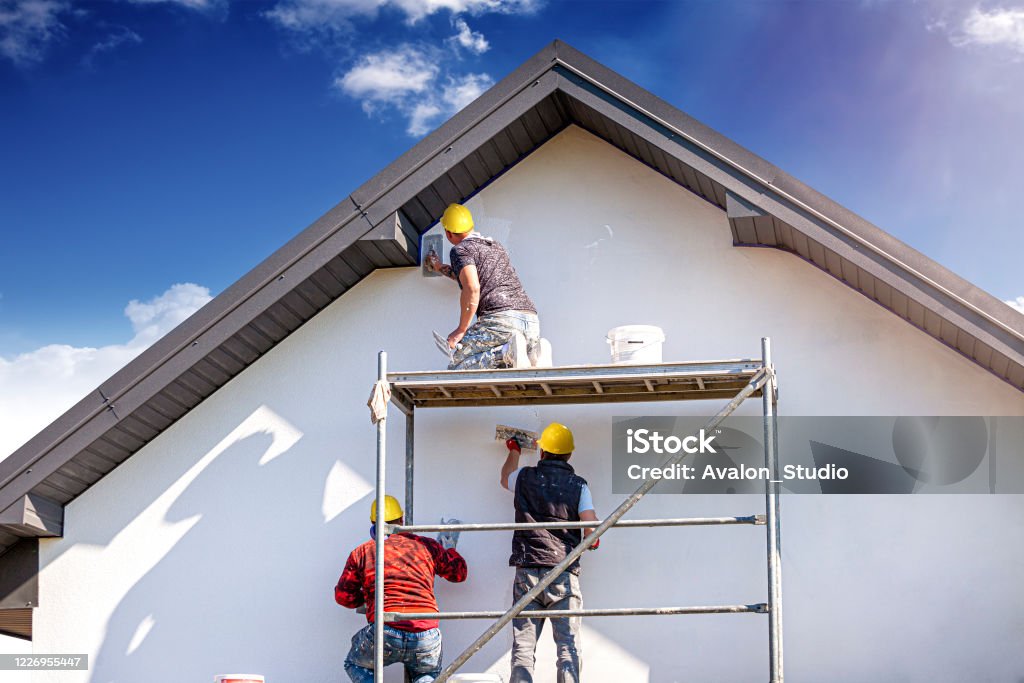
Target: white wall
<point>216,547</point>
<point>15,646</point>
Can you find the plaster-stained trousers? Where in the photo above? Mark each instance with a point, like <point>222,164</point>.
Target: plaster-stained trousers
<point>563,593</point>
<point>482,347</point>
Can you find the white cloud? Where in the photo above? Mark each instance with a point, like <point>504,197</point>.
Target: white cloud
<point>462,90</point>
<point>389,77</point>
<point>28,27</point>
<point>474,41</point>
<point>320,15</point>
<point>996,27</point>
<point>408,80</point>
<point>155,318</point>
<point>112,42</point>
<point>38,386</point>
<point>191,4</point>
<point>417,9</point>
<point>414,80</point>
<point>421,118</point>
<point>1017,303</point>
<point>327,15</point>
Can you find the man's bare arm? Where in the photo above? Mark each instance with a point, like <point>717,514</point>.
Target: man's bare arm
<point>511,461</point>
<point>469,300</point>
<point>588,516</point>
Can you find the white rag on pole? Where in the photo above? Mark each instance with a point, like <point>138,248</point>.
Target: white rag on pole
<point>378,402</point>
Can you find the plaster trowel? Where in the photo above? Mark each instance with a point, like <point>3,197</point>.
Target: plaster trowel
<point>527,439</point>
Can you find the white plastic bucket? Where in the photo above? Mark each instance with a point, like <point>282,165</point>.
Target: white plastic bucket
<point>636,344</point>
<point>238,678</point>
<point>476,678</point>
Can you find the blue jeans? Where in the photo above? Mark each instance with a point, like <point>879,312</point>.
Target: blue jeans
<point>482,347</point>
<point>419,652</point>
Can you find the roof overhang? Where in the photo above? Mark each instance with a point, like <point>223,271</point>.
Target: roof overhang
<point>380,224</point>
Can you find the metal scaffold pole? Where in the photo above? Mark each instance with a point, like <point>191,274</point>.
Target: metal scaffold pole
<point>771,461</point>
<point>736,379</point>
<point>378,579</point>
<point>751,387</point>
<point>410,465</point>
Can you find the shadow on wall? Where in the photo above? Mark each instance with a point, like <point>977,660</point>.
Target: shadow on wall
<point>258,598</point>
<point>246,577</point>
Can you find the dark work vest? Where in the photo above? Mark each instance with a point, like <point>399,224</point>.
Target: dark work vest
<point>549,492</point>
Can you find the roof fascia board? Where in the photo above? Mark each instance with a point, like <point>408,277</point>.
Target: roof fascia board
<point>737,207</point>
<point>219,319</point>
<point>182,337</point>
<point>33,515</point>
<point>770,175</point>
<point>556,67</point>
<point>637,98</point>
<point>57,444</point>
<point>396,237</point>
<point>766,198</point>
<point>19,575</point>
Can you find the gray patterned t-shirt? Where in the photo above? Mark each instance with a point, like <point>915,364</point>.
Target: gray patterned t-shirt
<point>500,288</point>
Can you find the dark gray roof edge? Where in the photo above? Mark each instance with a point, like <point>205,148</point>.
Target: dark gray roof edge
<point>747,161</point>
<point>191,331</point>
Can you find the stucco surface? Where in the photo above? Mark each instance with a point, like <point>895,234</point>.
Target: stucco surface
<point>216,547</point>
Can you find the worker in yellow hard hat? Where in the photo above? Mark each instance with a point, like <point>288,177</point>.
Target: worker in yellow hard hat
<point>551,491</point>
<point>410,563</point>
<point>507,330</point>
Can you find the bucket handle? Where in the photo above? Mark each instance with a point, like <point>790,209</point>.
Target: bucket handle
<point>643,345</point>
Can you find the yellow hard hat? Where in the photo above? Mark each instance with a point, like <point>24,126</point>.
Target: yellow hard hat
<point>457,218</point>
<point>392,509</point>
<point>557,439</point>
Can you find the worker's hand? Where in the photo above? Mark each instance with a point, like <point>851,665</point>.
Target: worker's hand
<point>595,545</point>
<point>455,337</point>
<point>513,445</point>
<point>432,262</point>
<point>449,539</point>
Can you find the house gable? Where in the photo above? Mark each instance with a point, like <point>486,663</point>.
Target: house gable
<point>380,224</point>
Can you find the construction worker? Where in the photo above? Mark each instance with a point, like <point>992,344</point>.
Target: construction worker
<point>507,330</point>
<point>410,563</point>
<point>549,492</point>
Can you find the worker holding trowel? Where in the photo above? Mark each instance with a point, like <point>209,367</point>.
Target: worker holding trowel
<point>410,563</point>
<point>549,492</point>
<point>506,333</point>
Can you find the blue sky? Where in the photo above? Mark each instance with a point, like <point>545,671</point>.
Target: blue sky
<point>149,143</point>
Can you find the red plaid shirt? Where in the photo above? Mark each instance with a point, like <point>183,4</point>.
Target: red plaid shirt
<point>410,563</point>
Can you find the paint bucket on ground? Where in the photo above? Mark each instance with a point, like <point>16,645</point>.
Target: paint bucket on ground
<point>238,678</point>
<point>476,678</point>
<point>636,344</point>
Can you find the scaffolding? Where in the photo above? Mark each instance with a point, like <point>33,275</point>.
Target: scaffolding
<point>736,380</point>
